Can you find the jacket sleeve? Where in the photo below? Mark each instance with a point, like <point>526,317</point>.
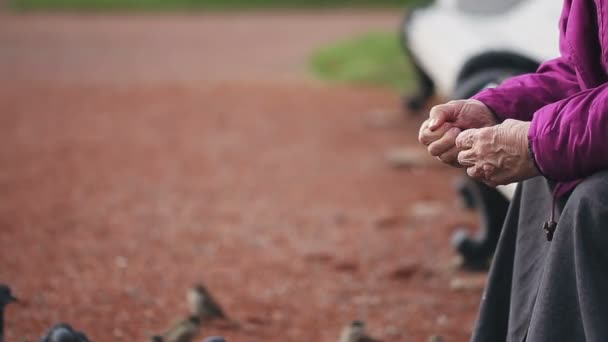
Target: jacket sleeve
<point>519,97</point>
<point>568,137</point>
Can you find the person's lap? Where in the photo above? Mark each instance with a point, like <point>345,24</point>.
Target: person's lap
<point>550,291</point>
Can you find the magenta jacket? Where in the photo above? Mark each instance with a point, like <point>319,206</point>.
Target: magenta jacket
<point>566,99</point>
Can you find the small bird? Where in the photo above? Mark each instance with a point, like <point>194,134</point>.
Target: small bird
<point>355,332</point>
<point>436,338</point>
<point>214,339</point>
<point>184,331</point>
<point>63,332</point>
<point>6,297</point>
<point>203,305</point>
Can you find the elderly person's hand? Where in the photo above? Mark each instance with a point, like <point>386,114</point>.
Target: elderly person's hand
<point>446,121</point>
<point>497,155</point>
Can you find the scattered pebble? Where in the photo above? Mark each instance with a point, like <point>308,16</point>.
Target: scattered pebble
<point>366,300</point>
<point>340,219</point>
<point>149,314</point>
<point>383,118</point>
<point>346,266</point>
<point>118,333</point>
<point>408,271</point>
<point>121,262</point>
<point>408,157</point>
<point>278,316</point>
<point>392,331</point>
<point>319,257</point>
<point>442,320</point>
<point>455,264</point>
<point>256,320</point>
<point>426,209</point>
<point>389,221</point>
<point>467,284</point>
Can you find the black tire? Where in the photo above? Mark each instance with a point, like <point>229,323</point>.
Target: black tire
<point>483,79</point>
<point>492,206</point>
<point>477,250</point>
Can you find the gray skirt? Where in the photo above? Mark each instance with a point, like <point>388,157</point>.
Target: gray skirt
<point>541,291</point>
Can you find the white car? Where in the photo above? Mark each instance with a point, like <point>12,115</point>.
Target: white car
<point>459,47</point>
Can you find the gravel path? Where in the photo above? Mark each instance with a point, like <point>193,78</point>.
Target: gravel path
<point>143,154</point>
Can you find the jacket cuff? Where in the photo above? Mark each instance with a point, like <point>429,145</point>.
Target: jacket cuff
<point>533,157</point>
<point>542,144</point>
<point>493,102</point>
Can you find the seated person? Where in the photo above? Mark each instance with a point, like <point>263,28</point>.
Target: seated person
<point>549,278</point>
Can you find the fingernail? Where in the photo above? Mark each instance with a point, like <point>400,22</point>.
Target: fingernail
<point>433,122</point>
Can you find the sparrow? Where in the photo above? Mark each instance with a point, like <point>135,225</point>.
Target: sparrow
<point>436,338</point>
<point>355,332</point>
<point>63,332</point>
<point>203,305</point>
<point>184,331</point>
<point>6,297</point>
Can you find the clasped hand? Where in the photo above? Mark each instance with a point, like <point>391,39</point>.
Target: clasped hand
<point>465,133</point>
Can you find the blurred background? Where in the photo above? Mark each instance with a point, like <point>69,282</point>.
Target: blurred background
<point>266,148</point>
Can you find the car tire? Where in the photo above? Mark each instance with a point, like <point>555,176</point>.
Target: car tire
<point>480,80</point>
<point>477,250</point>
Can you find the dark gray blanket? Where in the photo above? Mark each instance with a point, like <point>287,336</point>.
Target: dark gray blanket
<point>540,291</point>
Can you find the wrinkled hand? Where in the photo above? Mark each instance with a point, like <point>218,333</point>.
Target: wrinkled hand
<point>497,155</point>
<point>441,143</point>
<point>446,121</point>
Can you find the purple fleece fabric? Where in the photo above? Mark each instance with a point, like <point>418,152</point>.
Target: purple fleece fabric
<point>566,99</point>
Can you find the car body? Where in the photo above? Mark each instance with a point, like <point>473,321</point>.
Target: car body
<point>453,42</point>
<point>459,47</point>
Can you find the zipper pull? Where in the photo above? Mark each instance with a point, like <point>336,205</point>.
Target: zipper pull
<point>549,227</point>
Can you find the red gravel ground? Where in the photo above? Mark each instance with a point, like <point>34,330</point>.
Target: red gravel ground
<point>127,176</point>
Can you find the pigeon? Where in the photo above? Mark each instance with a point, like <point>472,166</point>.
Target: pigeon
<point>63,332</point>
<point>184,331</point>
<point>355,332</point>
<point>6,297</point>
<point>203,305</point>
<point>214,339</point>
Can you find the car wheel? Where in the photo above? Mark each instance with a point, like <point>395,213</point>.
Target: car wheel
<point>488,78</point>
<point>491,204</point>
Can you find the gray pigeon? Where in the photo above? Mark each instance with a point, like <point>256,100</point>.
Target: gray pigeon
<point>63,332</point>
<point>214,339</point>
<point>355,332</point>
<point>6,297</point>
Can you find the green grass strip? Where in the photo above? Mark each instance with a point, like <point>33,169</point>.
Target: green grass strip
<point>374,59</point>
<point>164,5</point>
